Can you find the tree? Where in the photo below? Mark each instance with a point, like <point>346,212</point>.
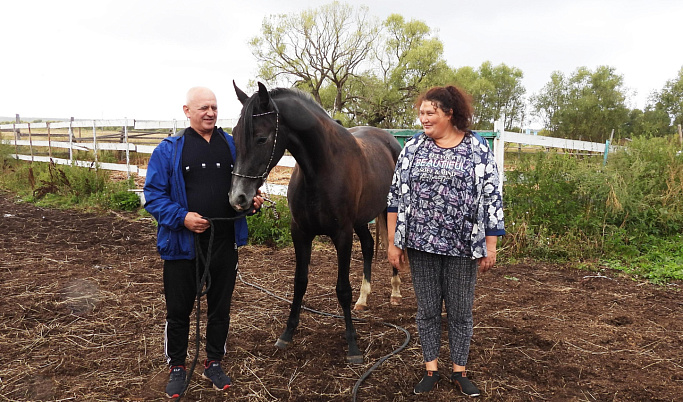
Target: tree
<point>408,60</point>
<point>366,73</point>
<point>314,47</point>
<point>588,105</point>
<point>671,98</point>
<point>496,91</point>
<point>653,121</point>
<point>547,103</point>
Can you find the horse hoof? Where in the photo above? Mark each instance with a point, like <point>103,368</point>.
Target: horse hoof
<point>395,301</point>
<point>360,307</point>
<point>358,359</point>
<point>280,344</point>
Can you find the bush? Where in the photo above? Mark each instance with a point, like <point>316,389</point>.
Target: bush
<point>124,201</point>
<point>271,225</point>
<point>565,208</point>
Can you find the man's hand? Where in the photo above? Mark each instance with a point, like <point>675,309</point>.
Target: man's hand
<point>195,223</point>
<point>258,201</point>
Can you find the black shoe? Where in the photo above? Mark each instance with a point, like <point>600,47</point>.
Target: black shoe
<point>214,373</point>
<point>461,381</point>
<point>176,382</point>
<point>429,379</point>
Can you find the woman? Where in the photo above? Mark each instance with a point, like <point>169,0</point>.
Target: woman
<point>445,213</point>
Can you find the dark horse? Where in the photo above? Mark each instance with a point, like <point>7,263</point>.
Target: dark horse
<point>339,184</point>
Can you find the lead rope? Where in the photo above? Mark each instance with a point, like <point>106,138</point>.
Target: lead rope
<point>203,285</point>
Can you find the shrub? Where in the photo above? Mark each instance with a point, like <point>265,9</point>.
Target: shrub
<point>124,201</point>
<point>562,207</point>
<point>271,225</point>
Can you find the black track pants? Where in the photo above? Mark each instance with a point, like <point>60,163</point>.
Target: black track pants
<point>180,290</point>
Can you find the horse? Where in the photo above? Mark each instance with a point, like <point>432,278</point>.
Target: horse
<point>339,184</point>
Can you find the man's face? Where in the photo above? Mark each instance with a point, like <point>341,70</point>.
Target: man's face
<point>202,110</point>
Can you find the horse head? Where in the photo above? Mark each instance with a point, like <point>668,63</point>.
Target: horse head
<point>259,145</point>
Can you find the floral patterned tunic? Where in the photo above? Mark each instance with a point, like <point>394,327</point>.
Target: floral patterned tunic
<point>446,223</point>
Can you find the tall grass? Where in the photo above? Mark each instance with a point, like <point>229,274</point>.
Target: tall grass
<point>627,213</point>
<point>65,186</point>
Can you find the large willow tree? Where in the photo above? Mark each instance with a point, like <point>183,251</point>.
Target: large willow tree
<point>315,47</point>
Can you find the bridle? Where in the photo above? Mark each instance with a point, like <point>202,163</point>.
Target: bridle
<point>272,154</point>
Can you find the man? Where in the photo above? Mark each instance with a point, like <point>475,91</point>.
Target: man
<point>188,178</point>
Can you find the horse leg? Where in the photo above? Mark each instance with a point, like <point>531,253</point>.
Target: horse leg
<point>396,296</point>
<point>302,249</point>
<point>366,244</point>
<point>343,243</point>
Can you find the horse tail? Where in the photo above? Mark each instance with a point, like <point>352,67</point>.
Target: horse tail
<point>381,232</point>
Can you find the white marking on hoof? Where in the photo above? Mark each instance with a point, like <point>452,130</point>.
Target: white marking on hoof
<point>362,302</point>
<point>396,296</point>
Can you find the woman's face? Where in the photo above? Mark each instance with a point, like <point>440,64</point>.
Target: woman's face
<point>435,122</point>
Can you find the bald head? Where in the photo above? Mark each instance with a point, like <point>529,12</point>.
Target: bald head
<point>196,93</point>
<point>202,110</point>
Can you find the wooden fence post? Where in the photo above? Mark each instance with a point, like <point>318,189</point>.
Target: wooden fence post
<point>125,134</point>
<point>680,135</point>
<point>49,141</point>
<point>30,141</point>
<point>71,141</point>
<point>16,146</point>
<point>499,150</point>
<point>17,133</point>
<point>94,141</point>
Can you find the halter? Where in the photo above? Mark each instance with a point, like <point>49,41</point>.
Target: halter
<point>272,154</point>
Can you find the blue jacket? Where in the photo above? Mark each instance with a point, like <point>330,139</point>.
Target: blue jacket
<point>166,200</point>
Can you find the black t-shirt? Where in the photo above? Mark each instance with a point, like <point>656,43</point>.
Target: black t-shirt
<point>207,170</point>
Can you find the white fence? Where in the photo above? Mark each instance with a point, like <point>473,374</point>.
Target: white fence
<point>499,141</point>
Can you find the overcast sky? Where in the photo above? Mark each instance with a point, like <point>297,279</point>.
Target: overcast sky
<point>136,59</point>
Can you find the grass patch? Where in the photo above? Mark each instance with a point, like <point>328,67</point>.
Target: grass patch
<point>627,213</point>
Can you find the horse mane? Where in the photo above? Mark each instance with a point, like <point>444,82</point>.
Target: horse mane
<point>304,96</point>
<point>276,93</point>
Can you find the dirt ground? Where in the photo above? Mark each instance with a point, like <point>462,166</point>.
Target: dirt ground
<point>82,318</point>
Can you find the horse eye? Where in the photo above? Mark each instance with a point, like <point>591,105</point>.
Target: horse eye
<point>261,140</point>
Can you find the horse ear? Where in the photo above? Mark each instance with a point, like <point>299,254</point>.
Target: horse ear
<point>241,96</point>
<point>263,95</point>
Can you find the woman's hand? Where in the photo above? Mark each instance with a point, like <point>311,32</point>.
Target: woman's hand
<point>396,256</point>
<point>486,263</point>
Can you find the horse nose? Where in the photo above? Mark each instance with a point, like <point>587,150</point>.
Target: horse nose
<point>239,202</point>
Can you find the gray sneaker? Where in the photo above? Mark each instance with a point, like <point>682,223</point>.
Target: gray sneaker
<point>214,373</point>
<point>176,382</point>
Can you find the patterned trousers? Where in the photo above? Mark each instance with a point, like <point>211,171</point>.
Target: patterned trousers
<point>439,279</point>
